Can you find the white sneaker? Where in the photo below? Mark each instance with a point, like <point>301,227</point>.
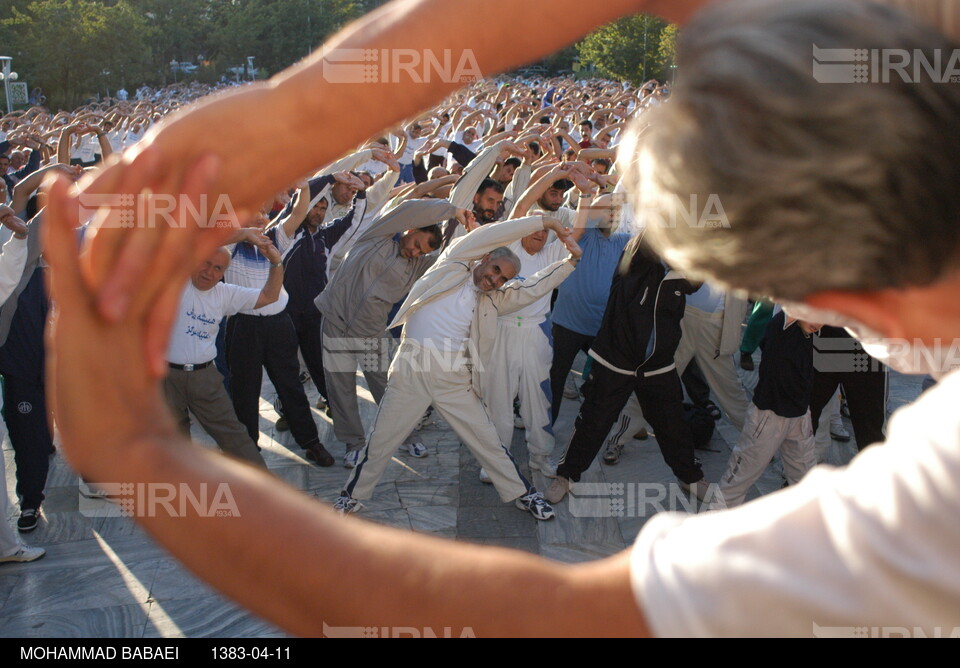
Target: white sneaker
<point>536,505</point>
<point>542,463</point>
<point>24,553</point>
<point>699,488</point>
<point>485,477</point>
<point>417,450</point>
<point>570,389</point>
<point>351,459</point>
<point>345,505</point>
<point>518,422</point>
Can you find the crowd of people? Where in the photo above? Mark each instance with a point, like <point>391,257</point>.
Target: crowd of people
<point>460,262</point>
<point>506,180</point>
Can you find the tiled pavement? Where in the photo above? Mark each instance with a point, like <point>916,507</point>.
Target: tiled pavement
<point>103,577</point>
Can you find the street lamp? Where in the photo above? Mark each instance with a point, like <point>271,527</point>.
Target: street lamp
<point>7,77</point>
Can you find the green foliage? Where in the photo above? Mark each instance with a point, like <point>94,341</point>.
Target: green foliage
<point>75,49</point>
<point>634,48</point>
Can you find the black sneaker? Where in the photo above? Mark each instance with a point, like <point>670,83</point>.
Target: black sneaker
<point>29,518</point>
<point>282,423</point>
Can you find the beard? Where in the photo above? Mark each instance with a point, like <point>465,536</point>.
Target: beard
<point>484,215</point>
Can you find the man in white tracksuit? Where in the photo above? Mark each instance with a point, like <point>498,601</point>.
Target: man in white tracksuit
<point>450,323</point>
<point>522,356</point>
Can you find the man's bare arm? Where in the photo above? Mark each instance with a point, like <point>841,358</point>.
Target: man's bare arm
<point>409,580</point>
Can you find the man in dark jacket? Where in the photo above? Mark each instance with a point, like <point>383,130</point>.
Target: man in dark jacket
<point>633,352</point>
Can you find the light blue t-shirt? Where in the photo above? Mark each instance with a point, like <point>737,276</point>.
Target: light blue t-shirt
<point>582,298</point>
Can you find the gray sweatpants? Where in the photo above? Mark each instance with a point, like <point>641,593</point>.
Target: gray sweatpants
<point>763,433</point>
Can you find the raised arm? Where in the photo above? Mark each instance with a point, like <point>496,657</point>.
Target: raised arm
<point>271,289</point>
<point>537,189</point>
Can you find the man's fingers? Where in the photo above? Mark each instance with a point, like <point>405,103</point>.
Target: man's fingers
<point>160,321</point>
<point>163,250</point>
<point>60,221</point>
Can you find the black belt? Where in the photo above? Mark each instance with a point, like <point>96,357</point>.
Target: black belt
<point>190,367</point>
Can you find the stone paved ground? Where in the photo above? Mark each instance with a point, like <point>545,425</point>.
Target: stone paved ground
<point>103,577</point>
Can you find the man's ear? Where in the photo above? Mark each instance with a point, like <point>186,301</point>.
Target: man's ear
<point>878,310</point>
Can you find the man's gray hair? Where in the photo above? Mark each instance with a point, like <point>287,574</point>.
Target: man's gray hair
<point>504,253</point>
<point>823,185</point>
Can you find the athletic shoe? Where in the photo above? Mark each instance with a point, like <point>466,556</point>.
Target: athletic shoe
<point>425,419</point>
<point>518,422</point>
<point>746,361</point>
<point>417,450</point>
<point>642,435</point>
<point>24,553</point>
<point>29,518</point>
<point>485,477</point>
<point>351,459</point>
<point>713,410</point>
<point>88,491</point>
<point>542,463</point>
<point>699,488</point>
<point>558,489</point>
<point>322,404</point>
<point>346,505</point>
<point>319,455</point>
<point>536,505</point>
<point>304,376</point>
<point>282,423</point>
<point>839,433</point>
<point>570,389</point>
<point>612,454</point>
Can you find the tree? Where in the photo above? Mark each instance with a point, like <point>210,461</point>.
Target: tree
<point>75,49</point>
<point>667,51</point>
<point>627,49</point>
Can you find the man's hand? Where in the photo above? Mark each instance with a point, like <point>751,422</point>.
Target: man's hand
<point>466,218</point>
<point>583,184</point>
<point>121,358</point>
<point>572,246</point>
<point>350,180</point>
<point>17,226</point>
<point>387,158</point>
<point>269,251</point>
<point>554,225</point>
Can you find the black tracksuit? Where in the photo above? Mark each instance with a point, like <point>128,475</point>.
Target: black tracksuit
<point>633,352</point>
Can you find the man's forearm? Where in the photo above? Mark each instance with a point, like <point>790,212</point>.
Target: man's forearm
<point>304,94</point>
<point>271,290</point>
<point>409,580</point>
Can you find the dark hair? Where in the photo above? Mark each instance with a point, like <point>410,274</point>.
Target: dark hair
<point>488,183</point>
<point>436,235</point>
<point>513,160</point>
<point>587,122</point>
<point>562,184</point>
<point>544,119</point>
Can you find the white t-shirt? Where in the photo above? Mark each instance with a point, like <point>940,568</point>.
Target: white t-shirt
<point>444,323</point>
<point>872,549</point>
<point>551,252</point>
<point>194,337</point>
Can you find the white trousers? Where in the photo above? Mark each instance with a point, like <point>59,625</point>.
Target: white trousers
<point>764,433</point>
<point>419,377</point>
<point>9,541</point>
<point>701,338</point>
<point>520,364</point>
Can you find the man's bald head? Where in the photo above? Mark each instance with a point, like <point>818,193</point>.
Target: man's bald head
<point>209,272</point>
